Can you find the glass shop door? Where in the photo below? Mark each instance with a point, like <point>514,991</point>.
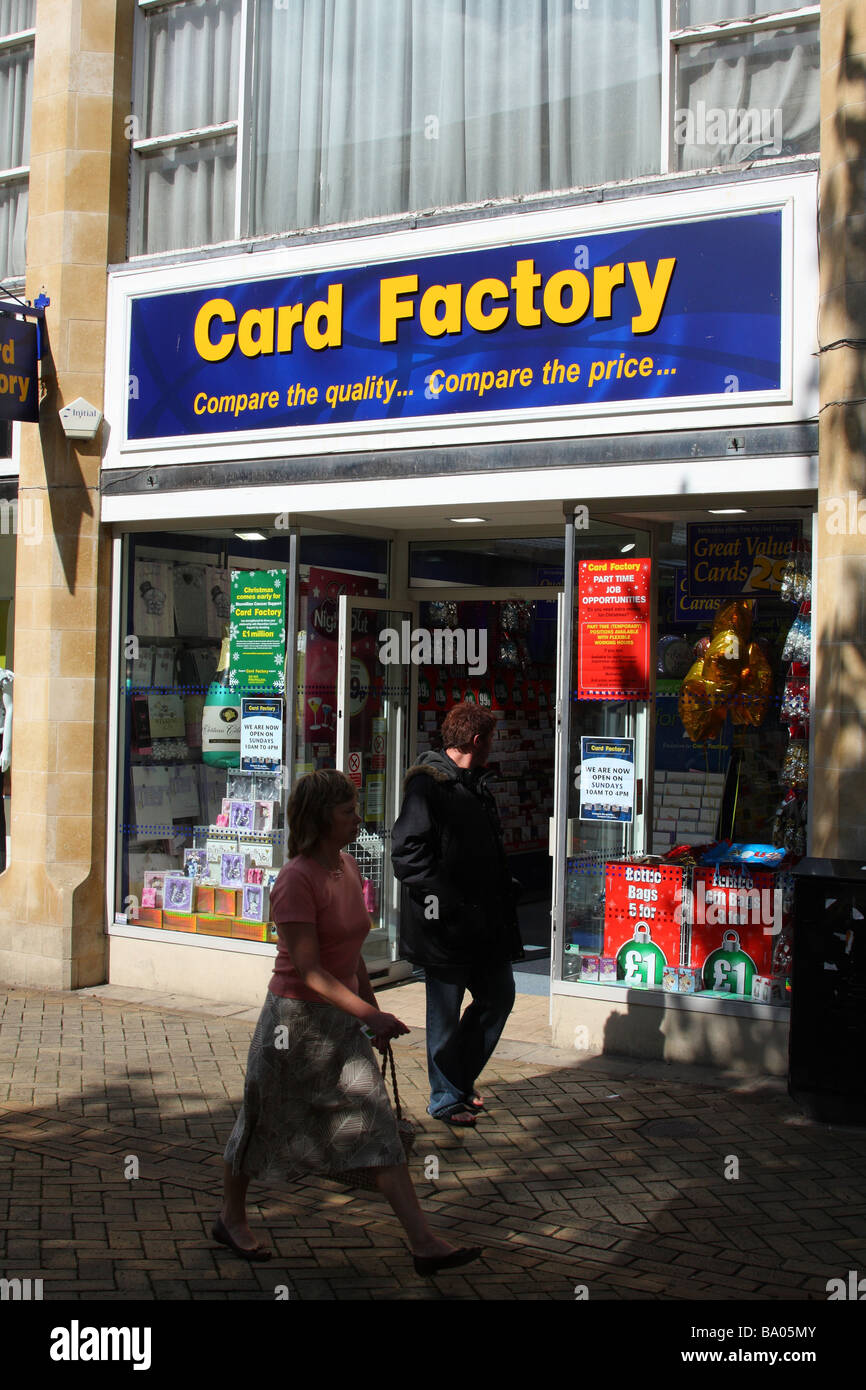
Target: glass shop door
<point>377,692</point>
<point>603,768</point>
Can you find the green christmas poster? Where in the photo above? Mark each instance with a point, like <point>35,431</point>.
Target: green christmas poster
<point>257,632</point>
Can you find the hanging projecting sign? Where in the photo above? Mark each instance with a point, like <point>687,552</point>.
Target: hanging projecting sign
<point>613,630</point>
<point>19,377</point>
<point>607,779</point>
<point>650,314</point>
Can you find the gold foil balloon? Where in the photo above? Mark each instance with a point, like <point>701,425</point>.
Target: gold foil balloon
<point>731,675</point>
<point>724,661</point>
<point>750,704</point>
<point>735,614</point>
<point>699,704</point>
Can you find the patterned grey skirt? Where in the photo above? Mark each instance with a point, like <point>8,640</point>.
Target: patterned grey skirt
<point>314,1099</point>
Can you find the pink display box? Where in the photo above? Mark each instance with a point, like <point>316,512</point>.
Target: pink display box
<point>154,880</point>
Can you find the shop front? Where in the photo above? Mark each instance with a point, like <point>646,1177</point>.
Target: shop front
<point>483,462</point>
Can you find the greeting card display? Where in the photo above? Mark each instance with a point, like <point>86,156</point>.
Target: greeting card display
<point>260,855</point>
<point>256,903</point>
<point>195,863</point>
<point>233,870</point>
<point>178,893</point>
<point>154,882</point>
<point>268,785</point>
<point>239,785</point>
<point>242,815</point>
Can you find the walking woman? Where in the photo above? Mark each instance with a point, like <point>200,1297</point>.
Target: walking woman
<point>314,1099</point>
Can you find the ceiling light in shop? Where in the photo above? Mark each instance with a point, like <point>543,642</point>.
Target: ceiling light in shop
<point>251,535</point>
<point>726,511</point>
<point>630,545</point>
<point>468,520</point>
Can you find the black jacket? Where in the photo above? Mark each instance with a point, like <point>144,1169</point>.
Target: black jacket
<point>447,851</point>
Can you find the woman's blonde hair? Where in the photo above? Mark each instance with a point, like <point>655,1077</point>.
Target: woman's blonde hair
<point>310,806</point>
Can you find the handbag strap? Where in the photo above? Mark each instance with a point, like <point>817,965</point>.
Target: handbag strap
<point>387,1057</point>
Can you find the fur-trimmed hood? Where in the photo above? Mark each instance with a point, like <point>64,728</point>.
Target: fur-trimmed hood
<point>438,766</point>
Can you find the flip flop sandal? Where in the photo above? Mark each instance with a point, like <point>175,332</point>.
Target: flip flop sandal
<point>451,1118</point>
<point>475,1102</point>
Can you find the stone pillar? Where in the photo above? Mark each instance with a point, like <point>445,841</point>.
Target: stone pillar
<point>838,778</point>
<point>52,897</point>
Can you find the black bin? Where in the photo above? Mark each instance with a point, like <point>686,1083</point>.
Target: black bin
<point>827,1043</point>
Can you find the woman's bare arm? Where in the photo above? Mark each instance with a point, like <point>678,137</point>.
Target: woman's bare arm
<point>365,989</point>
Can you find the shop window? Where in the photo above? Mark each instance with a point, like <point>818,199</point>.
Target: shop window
<point>200,809</point>
<point>690,890</point>
<point>339,111</point>
<point>17,19</point>
<point>746,84</point>
<point>205,775</point>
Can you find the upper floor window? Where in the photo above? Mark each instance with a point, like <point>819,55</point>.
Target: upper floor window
<point>747,81</point>
<point>263,116</point>
<point>17,19</point>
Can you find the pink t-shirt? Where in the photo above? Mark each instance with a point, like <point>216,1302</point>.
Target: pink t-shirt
<point>307,892</point>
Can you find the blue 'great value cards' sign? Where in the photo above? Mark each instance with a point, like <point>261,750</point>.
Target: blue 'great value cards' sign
<point>670,312</point>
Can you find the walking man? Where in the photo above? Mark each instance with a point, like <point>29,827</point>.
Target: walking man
<point>460,918</point>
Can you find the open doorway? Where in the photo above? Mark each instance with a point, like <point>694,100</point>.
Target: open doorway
<point>498,648</point>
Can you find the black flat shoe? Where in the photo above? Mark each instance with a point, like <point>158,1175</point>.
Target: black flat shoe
<point>433,1264</point>
<point>220,1234</point>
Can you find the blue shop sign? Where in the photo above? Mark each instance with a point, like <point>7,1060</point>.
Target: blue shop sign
<point>654,314</point>
<point>19,373</point>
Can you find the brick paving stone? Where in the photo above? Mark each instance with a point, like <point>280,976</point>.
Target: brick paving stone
<point>558,1176</point>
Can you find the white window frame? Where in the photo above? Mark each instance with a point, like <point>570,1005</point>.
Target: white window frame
<point>676,39</point>
<point>24,38</point>
<point>673,39</point>
<point>238,128</point>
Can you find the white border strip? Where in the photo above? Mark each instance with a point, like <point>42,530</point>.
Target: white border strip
<point>749,478</point>
<point>794,195</point>
<point>656,998</point>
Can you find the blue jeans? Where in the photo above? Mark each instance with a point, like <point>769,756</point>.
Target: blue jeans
<point>458,1048</point>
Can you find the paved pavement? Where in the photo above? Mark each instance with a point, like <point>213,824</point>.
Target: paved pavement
<point>631,1179</point>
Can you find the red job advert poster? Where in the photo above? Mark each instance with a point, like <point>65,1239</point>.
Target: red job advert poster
<point>613,629</point>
